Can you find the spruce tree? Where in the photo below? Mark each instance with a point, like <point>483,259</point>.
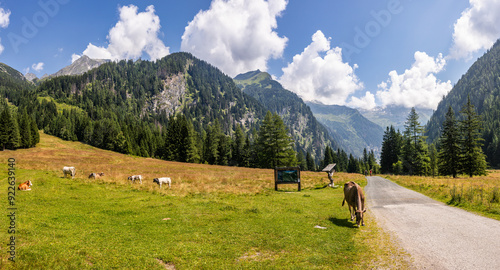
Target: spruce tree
<point>275,146</point>
<point>311,165</point>
<point>415,156</point>
<point>473,160</point>
<point>449,154</point>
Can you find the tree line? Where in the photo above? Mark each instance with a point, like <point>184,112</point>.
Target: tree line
<point>458,150</point>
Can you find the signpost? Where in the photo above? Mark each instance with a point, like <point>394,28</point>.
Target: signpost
<point>286,175</point>
<point>330,170</point>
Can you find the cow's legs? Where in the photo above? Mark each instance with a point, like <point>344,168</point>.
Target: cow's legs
<point>351,212</point>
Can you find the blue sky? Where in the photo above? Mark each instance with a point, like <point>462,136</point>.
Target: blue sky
<point>360,53</point>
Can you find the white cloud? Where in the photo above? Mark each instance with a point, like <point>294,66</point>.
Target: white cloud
<point>478,28</point>
<point>326,79</point>
<point>4,18</point>
<point>367,102</point>
<point>37,66</point>
<point>417,86</point>
<point>236,35</point>
<point>75,57</point>
<point>4,22</point>
<point>135,33</point>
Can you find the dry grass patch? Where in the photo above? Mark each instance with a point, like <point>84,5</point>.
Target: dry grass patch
<point>479,194</point>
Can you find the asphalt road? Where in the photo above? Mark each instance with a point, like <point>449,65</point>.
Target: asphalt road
<point>437,236</point>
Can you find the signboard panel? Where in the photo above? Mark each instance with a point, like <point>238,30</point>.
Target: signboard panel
<point>286,175</point>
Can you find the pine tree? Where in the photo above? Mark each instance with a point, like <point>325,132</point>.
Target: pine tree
<point>24,130</point>
<point>275,147</point>
<point>311,165</point>
<point>415,156</point>
<point>473,160</point>
<point>9,132</point>
<point>391,149</point>
<point>449,154</point>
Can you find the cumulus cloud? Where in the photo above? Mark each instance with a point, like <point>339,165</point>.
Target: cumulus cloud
<point>478,28</point>
<point>75,57</point>
<point>4,22</point>
<point>37,66</point>
<point>367,102</point>
<point>4,18</point>
<point>319,73</point>
<point>236,35</point>
<point>135,33</point>
<point>417,86</point>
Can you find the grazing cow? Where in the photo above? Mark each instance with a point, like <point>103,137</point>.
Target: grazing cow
<point>163,180</point>
<point>25,186</point>
<point>353,194</point>
<point>69,170</point>
<point>96,175</point>
<point>135,177</point>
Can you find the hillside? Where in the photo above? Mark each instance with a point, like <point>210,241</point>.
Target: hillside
<point>482,84</point>
<point>310,136</point>
<point>351,130</point>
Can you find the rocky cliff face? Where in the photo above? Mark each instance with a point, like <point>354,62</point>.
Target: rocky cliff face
<point>172,96</point>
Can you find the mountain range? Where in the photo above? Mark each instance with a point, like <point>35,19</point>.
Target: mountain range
<point>181,83</point>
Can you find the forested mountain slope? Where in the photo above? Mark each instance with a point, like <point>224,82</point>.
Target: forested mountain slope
<point>349,128</point>
<point>310,136</point>
<point>482,84</point>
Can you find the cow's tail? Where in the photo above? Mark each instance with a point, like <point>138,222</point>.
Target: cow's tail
<point>343,202</point>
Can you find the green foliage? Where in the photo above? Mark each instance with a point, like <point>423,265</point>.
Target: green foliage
<point>391,150</point>
<point>473,160</point>
<point>449,154</point>
<point>414,152</point>
<point>275,146</point>
<point>481,84</point>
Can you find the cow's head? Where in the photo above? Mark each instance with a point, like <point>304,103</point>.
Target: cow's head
<point>359,217</point>
<point>29,183</point>
<point>101,174</point>
<point>129,178</point>
<point>156,181</point>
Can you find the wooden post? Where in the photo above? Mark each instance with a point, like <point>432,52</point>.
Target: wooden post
<point>330,171</point>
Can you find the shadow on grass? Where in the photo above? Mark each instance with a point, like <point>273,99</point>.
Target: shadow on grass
<point>342,222</point>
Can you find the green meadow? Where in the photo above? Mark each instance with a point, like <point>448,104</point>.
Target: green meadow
<point>212,218</point>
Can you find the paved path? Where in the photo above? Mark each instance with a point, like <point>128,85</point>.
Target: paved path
<point>437,236</point>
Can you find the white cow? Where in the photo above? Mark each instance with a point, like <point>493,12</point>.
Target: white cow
<point>135,177</point>
<point>163,180</point>
<point>69,170</point>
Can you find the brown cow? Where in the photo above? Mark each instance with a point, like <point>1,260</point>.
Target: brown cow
<point>353,194</point>
<point>96,175</point>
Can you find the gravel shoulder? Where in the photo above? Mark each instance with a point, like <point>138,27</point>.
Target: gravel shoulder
<point>437,236</point>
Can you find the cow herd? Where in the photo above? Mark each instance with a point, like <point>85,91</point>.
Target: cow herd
<point>353,194</point>
<point>71,171</point>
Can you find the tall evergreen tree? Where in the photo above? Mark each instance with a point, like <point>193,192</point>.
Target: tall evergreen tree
<point>9,132</point>
<point>311,165</point>
<point>449,154</point>
<point>391,149</point>
<point>275,146</point>
<point>473,159</point>
<point>414,152</point>
<point>24,130</point>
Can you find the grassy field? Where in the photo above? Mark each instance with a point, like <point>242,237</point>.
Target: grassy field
<point>213,217</point>
<point>479,194</point>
